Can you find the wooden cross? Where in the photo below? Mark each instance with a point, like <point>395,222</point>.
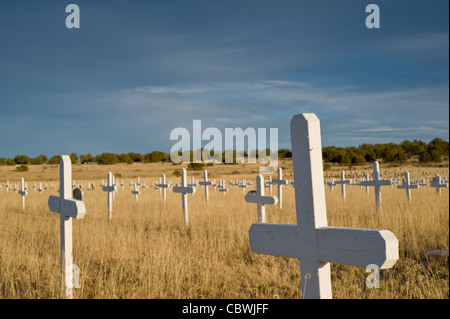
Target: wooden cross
<point>438,184</point>
<point>377,182</point>
<point>311,240</point>
<point>23,192</point>
<point>243,185</point>
<point>342,182</point>
<point>408,186</point>
<point>67,208</point>
<point>205,183</point>
<point>164,186</point>
<point>260,199</point>
<point>110,188</point>
<point>136,191</point>
<point>280,182</point>
<point>222,187</point>
<point>184,190</point>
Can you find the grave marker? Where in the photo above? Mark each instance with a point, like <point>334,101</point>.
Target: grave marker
<point>311,240</point>
<point>408,186</point>
<point>205,183</point>
<point>164,186</point>
<point>438,184</point>
<point>280,182</point>
<point>23,192</point>
<point>260,199</point>
<point>110,188</point>
<point>67,208</point>
<point>377,182</point>
<point>184,190</point>
<point>342,182</point>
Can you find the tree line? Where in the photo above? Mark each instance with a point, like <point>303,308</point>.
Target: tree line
<point>436,151</point>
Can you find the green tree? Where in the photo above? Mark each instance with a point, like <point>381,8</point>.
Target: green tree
<point>22,159</point>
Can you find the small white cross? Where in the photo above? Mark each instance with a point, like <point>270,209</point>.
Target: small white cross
<point>205,183</point>
<point>407,186</point>
<point>184,190</point>
<point>260,199</point>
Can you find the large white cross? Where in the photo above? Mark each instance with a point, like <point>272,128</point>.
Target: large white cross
<point>205,183</point>
<point>23,192</point>
<point>438,184</point>
<point>68,208</point>
<point>311,240</point>
<point>260,199</point>
<point>377,182</point>
<point>342,182</point>
<point>110,188</point>
<point>184,190</point>
<point>163,185</point>
<point>280,182</point>
<point>408,186</point>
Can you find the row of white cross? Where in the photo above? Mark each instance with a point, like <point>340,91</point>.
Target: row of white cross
<point>311,240</point>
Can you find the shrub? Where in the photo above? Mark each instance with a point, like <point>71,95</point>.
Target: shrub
<point>22,168</point>
<point>196,166</point>
<point>176,173</point>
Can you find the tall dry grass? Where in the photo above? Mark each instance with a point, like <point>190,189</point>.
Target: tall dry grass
<point>146,251</point>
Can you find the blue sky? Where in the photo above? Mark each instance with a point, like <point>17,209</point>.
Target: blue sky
<point>136,70</point>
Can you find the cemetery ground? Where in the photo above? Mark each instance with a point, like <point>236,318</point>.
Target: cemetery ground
<point>146,251</point>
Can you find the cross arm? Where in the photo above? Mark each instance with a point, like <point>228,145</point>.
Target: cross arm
<point>280,181</point>
<point>182,189</point>
<point>258,199</point>
<point>67,207</point>
<point>350,246</point>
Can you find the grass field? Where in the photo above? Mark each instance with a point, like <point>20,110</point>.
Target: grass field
<point>146,251</point>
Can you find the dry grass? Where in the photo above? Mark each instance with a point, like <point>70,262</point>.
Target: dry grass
<point>146,251</point>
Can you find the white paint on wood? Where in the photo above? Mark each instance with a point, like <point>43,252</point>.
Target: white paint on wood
<point>377,182</point>
<point>260,199</point>
<point>23,192</point>
<point>406,185</point>
<point>205,183</point>
<point>438,184</point>
<point>342,182</point>
<point>311,240</point>
<point>184,190</point>
<point>67,208</point>
<point>110,188</point>
<point>280,182</point>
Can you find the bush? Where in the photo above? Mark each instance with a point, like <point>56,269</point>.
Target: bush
<point>22,168</point>
<point>22,159</point>
<point>54,159</point>
<point>176,173</point>
<point>196,166</point>
<point>107,159</point>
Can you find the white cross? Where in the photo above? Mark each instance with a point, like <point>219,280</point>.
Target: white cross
<point>23,192</point>
<point>164,186</point>
<point>40,188</point>
<point>330,182</point>
<point>205,183</point>
<point>260,199</point>
<point>311,240</point>
<point>280,182</point>
<point>438,184</point>
<point>243,185</point>
<point>135,191</point>
<point>184,189</point>
<point>68,208</point>
<point>222,187</point>
<point>342,182</point>
<point>110,188</point>
<point>7,186</point>
<point>377,182</point>
<point>408,186</point>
